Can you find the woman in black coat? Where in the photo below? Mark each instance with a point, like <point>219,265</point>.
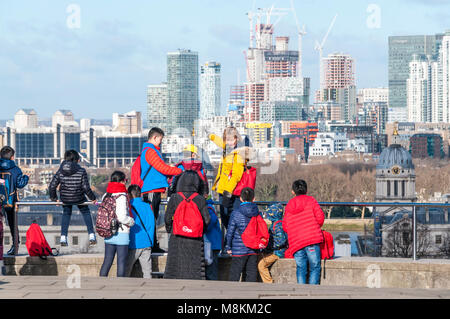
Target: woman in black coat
<point>185,258</point>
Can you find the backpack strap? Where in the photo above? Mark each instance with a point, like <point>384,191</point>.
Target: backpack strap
<point>190,197</point>
<point>135,210</point>
<point>149,166</point>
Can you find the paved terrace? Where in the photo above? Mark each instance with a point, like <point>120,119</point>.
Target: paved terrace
<point>57,287</point>
<point>76,276</point>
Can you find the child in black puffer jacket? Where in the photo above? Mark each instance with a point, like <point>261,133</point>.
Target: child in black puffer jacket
<point>73,188</point>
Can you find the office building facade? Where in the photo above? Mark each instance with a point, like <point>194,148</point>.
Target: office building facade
<point>210,92</point>
<point>401,51</point>
<point>183,90</point>
<point>157,106</point>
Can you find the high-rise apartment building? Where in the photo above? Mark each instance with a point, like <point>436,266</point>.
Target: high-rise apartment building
<point>418,87</point>
<point>182,88</point>
<point>338,71</point>
<point>401,51</point>
<point>444,58</point>
<point>339,83</point>
<point>157,106</point>
<point>210,90</point>
<point>427,85</point>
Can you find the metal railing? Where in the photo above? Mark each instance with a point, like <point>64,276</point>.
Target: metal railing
<point>374,205</point>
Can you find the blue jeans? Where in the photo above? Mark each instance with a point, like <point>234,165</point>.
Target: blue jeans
<point>67,213</point>
<point>308,256</point>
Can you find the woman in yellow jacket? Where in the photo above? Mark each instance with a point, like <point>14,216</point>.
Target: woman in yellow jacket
<point>230,170</point>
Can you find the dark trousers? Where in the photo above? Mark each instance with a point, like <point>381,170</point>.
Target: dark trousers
<point>110,253</point>
<point>245,265</point>
<point>154,199</point>
<point>10,211</point>
<point>67,214</point>
<point>225,212</point>
<point>212,271</point>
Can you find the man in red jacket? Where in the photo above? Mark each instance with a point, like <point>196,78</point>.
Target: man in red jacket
<point>302,223</point>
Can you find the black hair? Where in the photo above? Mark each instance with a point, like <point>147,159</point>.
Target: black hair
<point>71,156</point>
<point>134,191</point>
<point>300,187</point>
<point>7,152</point>
<point>247,194</point>
<point>118,176</point>
<point>155,131</point>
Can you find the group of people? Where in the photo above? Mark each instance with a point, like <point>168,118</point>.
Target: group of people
<point>296,233</point>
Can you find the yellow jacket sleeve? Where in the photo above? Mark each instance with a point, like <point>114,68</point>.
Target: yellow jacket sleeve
<point>217,140</point>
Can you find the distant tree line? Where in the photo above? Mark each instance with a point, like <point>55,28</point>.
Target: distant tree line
<point>347,182</point>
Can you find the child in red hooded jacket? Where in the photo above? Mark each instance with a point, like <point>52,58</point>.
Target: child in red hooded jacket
<point>302,222</point>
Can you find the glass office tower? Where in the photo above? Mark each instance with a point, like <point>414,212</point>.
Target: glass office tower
<point>401,51</point>
<point>182,88</point>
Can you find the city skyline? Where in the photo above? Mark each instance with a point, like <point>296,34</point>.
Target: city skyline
<point>105,65</point>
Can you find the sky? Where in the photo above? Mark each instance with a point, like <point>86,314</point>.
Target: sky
<point>97,57</point>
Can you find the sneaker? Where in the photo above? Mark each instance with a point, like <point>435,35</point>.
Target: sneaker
<point>11,251</point>
<point>63,241</point>
<point>158,250</point>
<point>92,240</point>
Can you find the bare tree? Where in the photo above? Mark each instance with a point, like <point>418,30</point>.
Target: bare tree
<point>399,240</point>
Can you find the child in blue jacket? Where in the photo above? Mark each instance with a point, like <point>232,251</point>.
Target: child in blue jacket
<point>18,180</point>
<point>243,258</point>
<point>141,233</point>
<point>213,243</point>
<point>277,242</point>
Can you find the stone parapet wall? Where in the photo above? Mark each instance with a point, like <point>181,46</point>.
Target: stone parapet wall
<point>345,271</point>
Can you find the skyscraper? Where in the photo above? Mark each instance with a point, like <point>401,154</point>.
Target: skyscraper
<point>182,88</point>
<point>444,58</point>
<point>210,90</point>
<point>157,106</point>
<point>339,83</point>
<point>418,87</point>
<point>401,51</point>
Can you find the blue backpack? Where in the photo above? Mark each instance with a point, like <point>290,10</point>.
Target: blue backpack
<point>7,190</point>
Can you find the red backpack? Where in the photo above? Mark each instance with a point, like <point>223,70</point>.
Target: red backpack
<point>136,171</point>
<point>187,220</point>
<point>327,246</point>
<point>36,243</point>
<point>248,179</point>
<point>256,234</point>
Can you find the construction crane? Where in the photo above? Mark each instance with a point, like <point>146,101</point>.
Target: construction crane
<point>250,18</point>
<point>301,33</point>
<point>319,47</point>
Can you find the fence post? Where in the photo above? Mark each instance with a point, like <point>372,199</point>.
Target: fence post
<point>414,232</point>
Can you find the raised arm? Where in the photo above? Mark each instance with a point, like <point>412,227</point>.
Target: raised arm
<point>155,161</point>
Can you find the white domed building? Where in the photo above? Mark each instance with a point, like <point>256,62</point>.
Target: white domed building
<point>395,175</point>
